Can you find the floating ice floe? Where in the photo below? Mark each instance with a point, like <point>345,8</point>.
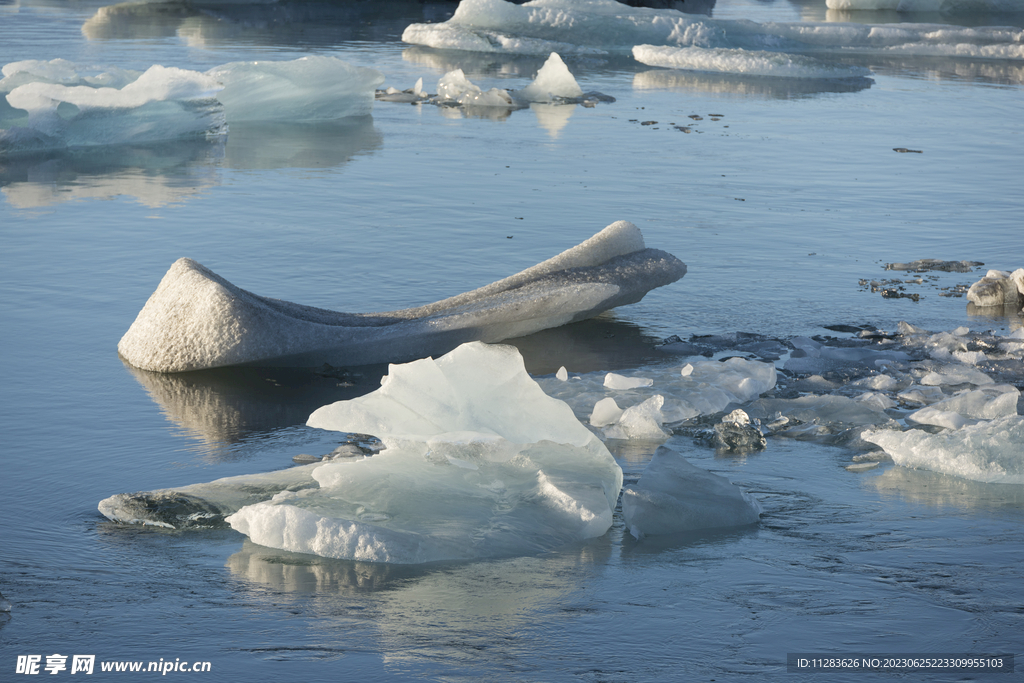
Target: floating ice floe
<point>673,496</point>
<point>554,84</point>
<point>639,407</point>
<point>57,104</point>
<point>606,26</point>
<point>990,451</point>
<point>746,62</point>
<point>477,462</point>
<point>196,319</point>
<point>314,88</point>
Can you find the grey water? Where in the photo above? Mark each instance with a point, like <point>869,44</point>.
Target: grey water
<point>780,207</point>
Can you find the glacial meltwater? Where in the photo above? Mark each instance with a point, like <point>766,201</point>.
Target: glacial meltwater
<point>807,442</point>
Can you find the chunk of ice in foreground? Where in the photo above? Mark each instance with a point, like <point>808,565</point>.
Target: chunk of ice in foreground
<point>674,496</point>
<point>991,452</point>
<point>196,319</point>
<point>479,462</point>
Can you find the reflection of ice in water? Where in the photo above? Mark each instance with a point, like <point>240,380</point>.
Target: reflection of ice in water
<point>553,117</point>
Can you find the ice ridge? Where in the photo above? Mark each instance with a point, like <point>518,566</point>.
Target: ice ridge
<point>196,319</point>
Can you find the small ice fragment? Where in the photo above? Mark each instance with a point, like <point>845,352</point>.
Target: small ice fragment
<point>687,370</point>
<point>553,82</point>
<point>606,412</point>
<point>642,421</point>
<point>921,395</point>
<point>861,466</point>
<point>621,383</point>
<point>562,374</point>
<point>306,458</point>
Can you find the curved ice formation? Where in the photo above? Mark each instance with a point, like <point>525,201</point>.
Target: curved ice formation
<point>991,451</point>
<point>606,26</point>
<point>478,462</point>
<point>673,496</point>
<point>746,62</point>
<point>196,319</point>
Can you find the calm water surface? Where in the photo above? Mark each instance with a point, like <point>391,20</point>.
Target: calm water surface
<point>778,209</point>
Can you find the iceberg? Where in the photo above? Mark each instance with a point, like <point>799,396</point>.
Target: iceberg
<point>673,496</point>
<point>478,462</point>
<point>54,105</point>
<point>990,451</point>
<point>315,88</point>
<point>57,104</point>
<point>589,27</point>
<point>196,319</point>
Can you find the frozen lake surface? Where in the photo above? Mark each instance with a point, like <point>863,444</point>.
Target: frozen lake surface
<point>771,168</point>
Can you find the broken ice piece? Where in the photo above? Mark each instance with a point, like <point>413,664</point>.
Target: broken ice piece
<point>736,434</point>
<point>674,496</point>
<point>622,383</point>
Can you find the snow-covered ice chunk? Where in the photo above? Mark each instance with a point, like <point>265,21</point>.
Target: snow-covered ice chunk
<point>196,319</point>
<point>745,62</point>
<point>991,451</point>
<point>479,462</point>
<point>622,383</point>
<point>562,374</point>
<point>553,82</point>
<point>314,88</point>
<point>674,496</point>
<point>998,288</point>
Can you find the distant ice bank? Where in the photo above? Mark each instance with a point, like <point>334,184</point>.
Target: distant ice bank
<point>197,320</point>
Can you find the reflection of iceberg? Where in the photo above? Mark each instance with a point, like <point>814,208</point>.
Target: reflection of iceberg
<point>734,85</point>
<point>478,462</point>
<point>323,144</point>
<point>154,175</point>
<point>197,320</point>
